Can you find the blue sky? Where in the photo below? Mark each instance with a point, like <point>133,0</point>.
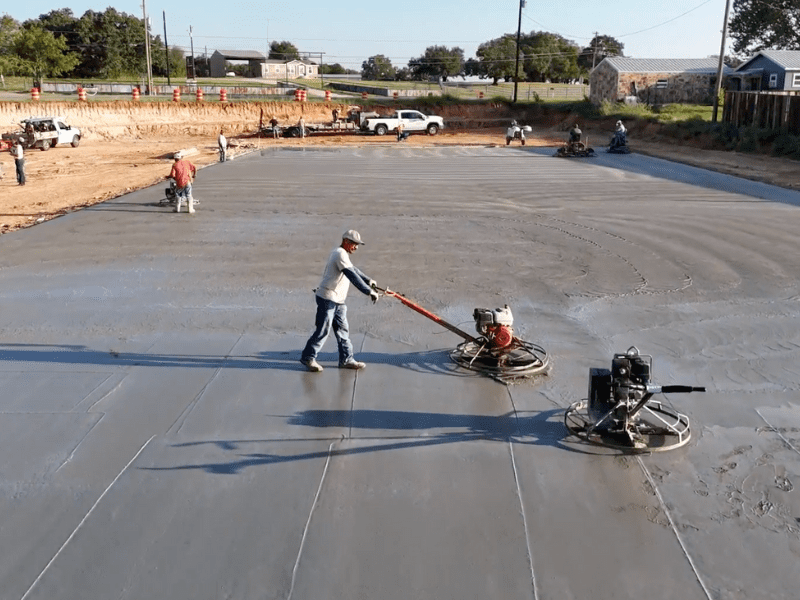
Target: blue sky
<point>350,31</point>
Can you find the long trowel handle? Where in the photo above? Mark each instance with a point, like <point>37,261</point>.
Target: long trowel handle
<point>426,313</point>
<point>673,389</point>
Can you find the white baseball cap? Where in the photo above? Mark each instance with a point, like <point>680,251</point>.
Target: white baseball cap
<point>177,156</point>
<point>353,236</point>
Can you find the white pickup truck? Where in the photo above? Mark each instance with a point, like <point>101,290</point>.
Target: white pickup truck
<point>412,120</point>
<point>44,133</point>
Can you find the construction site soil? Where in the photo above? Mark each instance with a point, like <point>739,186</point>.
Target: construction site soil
<point>128,146</point>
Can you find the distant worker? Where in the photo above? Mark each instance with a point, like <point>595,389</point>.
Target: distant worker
<point>575,134</point>
<point>401,133</point>
<point>276,130</point>
<point>515,132</point>
<point>331,309</point>
<point>620,128</point>
<point>301,124</point>
<point>223,146</point>
<point>19,162</point>
<point>183,172</point>
<point>335,115</point>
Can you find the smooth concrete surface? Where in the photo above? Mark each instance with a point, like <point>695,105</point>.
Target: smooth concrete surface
<point>161,439</point>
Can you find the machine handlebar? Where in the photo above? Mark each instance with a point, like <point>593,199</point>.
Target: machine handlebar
<point>676,389</point>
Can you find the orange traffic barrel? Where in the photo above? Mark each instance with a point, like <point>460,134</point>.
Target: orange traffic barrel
<point>394,95</point>
<point>199,95</point>
<point>298,94</point>
<point>176,95</point>
<point>34,93</point>
<point>223,95</point>
<point>135,93</point>
<point>305,95</point>
<point>327,95</point>
<point>363,95</point>
<point>81,94</point>
<point>480,95</point>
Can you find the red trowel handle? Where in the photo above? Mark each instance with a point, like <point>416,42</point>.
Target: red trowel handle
<point>426,313</point>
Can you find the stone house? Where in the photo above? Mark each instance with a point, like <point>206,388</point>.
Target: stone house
<point>654,80</point>
<point>769,70</point>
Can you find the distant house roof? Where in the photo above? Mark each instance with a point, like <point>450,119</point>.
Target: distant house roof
<point>787,59</point>
<point>242,55</point>
<point>294,60</point>
<point>664,65</point>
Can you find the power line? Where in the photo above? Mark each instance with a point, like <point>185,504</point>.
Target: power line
<point>665,22</point>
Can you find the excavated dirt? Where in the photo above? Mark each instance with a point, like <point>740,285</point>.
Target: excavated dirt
<point>127,146</point>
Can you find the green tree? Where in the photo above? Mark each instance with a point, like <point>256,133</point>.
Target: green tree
<point>334,69</point>
<point>439,62</point>
<point>283,51</point>
<point>377,68</point>
<point>757,25</point>
<point>550,57</point>
<point>41,54</point>
<point>495,59</point>
<point>9,62</point>
<point>111,45</point>
<point>600,47</point>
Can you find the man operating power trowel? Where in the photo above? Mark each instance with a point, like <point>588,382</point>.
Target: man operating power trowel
<point>331,310</point>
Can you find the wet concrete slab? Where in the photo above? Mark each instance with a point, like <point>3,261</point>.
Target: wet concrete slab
<point>156,413</point>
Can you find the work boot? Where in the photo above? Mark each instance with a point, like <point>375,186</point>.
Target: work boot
<point>178,205</point>
<point>311,364</point>
<point>191,205</point>
<point>352,364</point>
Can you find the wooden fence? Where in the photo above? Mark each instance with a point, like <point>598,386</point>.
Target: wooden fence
<point>767,110</point>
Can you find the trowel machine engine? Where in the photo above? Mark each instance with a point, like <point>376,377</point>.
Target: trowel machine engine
<point>497,353</point>
<point>496,325</point>
<point>620,412</point>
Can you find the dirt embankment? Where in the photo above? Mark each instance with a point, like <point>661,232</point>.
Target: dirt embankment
<point>128,145</point>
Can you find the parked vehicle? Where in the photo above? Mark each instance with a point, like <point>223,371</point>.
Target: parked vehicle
<point>44,133</point>
<point>412,120</point>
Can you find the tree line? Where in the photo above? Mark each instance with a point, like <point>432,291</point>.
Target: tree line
<point>104,45</point>
<point>110,45</point>
<point>543,56</point>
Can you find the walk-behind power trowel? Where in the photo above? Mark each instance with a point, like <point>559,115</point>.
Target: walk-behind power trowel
<point>620,412</point>
<point>497,353</point>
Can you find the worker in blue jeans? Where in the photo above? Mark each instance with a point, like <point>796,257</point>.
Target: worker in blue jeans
<point>331,310</point>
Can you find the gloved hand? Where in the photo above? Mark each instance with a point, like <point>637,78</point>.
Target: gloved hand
<point>373,284</point>
<point>373,296</point>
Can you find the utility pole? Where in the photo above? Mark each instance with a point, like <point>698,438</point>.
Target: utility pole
<point>191,46</point>
<point>516,64</point>
<point>721,67</point>
<point>147,49</point>
<point>166,45</point>
<point>594,48</point>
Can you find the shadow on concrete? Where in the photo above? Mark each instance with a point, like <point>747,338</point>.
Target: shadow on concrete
<point>537,429</point>
<point>437,362</point>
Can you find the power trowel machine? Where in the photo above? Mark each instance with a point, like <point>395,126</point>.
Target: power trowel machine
<point>497,352</point>
<point>620,412</point>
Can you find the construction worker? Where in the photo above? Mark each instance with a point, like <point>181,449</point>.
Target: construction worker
<point>331,310</point>
<point>575,134</point>
<point>223,146</point>
<point>19,162</point>
<point>183,172</point>
<point>401,134</point>
<point>276,130</point>
<point>301,124</point>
